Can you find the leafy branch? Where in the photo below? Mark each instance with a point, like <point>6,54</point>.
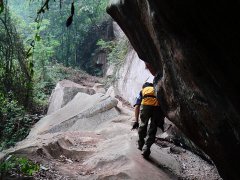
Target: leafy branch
<point>1,6</point>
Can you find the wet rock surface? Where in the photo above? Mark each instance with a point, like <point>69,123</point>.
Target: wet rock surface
<point>194,47</point>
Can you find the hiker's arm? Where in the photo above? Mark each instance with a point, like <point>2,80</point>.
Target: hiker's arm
<point>137,106</point>
<point>137,110</point>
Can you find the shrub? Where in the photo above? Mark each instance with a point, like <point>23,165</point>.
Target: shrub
<point>14,122</point>
<point>116,50</point>
<point>18,166</point>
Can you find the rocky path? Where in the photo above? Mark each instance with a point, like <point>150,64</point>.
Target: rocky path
<point>90,138</point>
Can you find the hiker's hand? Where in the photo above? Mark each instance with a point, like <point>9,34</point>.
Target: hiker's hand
<point>135,125</point>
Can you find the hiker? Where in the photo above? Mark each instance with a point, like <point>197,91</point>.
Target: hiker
<point>148,107</point>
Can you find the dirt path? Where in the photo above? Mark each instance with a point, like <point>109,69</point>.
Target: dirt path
<point>109,153</point>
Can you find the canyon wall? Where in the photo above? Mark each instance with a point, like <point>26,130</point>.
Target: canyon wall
<point>128,82</point>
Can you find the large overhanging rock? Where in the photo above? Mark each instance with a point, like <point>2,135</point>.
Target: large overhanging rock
<point>195,48</point>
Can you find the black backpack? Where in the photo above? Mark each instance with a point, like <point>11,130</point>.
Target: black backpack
<point>147,84</point>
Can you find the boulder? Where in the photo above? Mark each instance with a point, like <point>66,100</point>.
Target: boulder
<point>63,93</point>
<point>79,110</point>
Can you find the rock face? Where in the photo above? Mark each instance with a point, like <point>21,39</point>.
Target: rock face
<point>194,47</point>
<point>129,83</point>
<point>94,64</point>
<point>83,112</point>
<point>63,93</point>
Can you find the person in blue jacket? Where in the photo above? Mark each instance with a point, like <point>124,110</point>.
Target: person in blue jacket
<point>147,106</point>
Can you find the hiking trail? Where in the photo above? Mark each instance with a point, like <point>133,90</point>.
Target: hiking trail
<point>87,135</point>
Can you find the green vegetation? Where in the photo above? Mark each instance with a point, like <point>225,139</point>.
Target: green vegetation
<point>116,54</point>
<point>18,167</point>
<point>15,123</point>
<point>15,69</point>
<point>15,83</point>
<point>36,51</point>
<point>116,50</point>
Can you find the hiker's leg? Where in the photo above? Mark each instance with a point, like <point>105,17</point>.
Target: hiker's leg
<point>151,133</point>
<point>142,130</point>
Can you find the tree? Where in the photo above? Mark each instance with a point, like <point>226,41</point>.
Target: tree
<point>15,73</point>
